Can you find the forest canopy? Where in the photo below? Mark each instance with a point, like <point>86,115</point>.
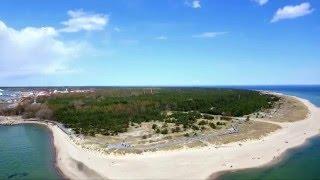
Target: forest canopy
<point>111,111</point>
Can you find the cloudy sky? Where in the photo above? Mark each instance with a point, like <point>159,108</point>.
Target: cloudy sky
<point>164,42</point>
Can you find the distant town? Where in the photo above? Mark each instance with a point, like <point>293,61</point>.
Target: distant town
<point>11,96</point>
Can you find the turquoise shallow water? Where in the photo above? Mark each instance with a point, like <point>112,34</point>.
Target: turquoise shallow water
<point>26,153</point>
<point>299,163</point>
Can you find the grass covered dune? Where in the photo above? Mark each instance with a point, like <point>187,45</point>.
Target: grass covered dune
<point>112,111</point>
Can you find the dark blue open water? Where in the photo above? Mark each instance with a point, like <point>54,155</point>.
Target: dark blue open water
<point>299,163</point>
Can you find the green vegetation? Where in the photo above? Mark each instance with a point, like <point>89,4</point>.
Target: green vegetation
<point>202,122</point>
<point>212,125</point>
<point>175,129</point>
<point>112,111</point>
<point>206,116</point>
<point>221,123</point>
<point>186,119</point>
<point>164,131</point>
<point>195,127</point>
<point>226,118</point>
<point>154,126</point>
<point>158,131</point>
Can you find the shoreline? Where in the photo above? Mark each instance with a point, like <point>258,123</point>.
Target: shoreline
<point>52,145</point>
<point>55,145</point>
<point>284,154</point>
<point>201,163</point>
<point>51,139</point>
<point>279,159</point>
<point>54,151</point>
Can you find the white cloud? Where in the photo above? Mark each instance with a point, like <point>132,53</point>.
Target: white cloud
<point>80,20</point>
<point>194,4</point>
<point>261,2</point>
<point>117,29</point>
<point>291,12</point>
<point>161,38</point>
<point>32,51</point>
<point>209,34</point>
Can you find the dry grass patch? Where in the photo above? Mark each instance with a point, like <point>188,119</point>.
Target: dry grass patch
<point>288,109</point>
<point>248,131</point>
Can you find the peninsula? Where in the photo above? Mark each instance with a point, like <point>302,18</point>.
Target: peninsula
<point>167,133</point>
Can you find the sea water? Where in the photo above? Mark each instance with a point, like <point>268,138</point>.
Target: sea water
<point>299,163</point>
<point>26,152</point>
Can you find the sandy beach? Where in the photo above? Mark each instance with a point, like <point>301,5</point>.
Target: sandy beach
<point>196,163</point>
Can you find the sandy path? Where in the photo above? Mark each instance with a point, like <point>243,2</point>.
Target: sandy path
<point>198,163</point>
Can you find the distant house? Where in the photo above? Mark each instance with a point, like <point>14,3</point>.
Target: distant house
<point>60,92</point>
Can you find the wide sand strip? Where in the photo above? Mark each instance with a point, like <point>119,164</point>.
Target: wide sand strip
<point>192,163</point>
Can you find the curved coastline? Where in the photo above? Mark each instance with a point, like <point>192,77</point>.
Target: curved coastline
<point>51,143</point>
<point>60,173</point>
<point>202,163</point>
<point>284,156</point>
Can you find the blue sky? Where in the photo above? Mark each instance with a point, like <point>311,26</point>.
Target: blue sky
<point>164,42</point>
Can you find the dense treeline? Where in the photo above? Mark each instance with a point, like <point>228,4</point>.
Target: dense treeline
<point>111,111</point>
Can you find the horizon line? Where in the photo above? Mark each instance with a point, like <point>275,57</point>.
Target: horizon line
<point>149,86</point>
